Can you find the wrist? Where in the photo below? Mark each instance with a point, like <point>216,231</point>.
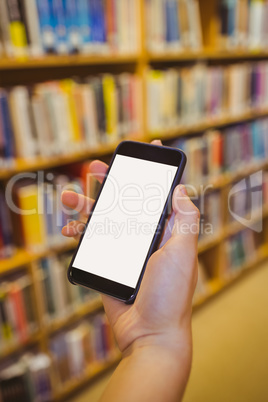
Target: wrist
<point>175,344</point>
<point>166,358</point>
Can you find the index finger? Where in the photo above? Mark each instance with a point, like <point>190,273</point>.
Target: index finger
<point>98,170</point>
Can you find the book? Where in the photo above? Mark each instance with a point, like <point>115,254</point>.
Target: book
<point>7,134</point>
<point>37,201</point>
<point>25,141</point>
<point>110,105</point>
<point>27,379</point>
<point>33,229</point>
<point>67,116</point>
<point>173,25</point>
<point>242,24</point>
<point>86,344</point>
<point>60,298</point>
<point>219,151</point>
<point>18,317</point>
<point>240,248</point>
<point>7,246</point>
<point>17,29</point>
<point>7,47</point>
<point>195,30</point>
<point>32,25</point>
<point>203,92</point>
<point>60,30</point>
<point>47,25</point>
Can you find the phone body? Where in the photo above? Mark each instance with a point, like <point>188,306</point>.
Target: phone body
<point>112,259</point>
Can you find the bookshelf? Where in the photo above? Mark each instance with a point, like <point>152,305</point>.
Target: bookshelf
<point>65,61</point>
<point>32,70</point>
<point>80,60</point>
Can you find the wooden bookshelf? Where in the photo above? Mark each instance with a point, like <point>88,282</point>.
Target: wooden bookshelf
<point>218,284</point>
<point>60,61</point>
<point>90,374</point>
<point>209,123</point>
<point>31,69</point>
<point>80,312</point>
<point>16,347</point>
<point>23,257</point>
<point>40,163</point>
<point>206,54</point>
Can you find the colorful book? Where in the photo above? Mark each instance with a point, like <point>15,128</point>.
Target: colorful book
<point>16,28</point>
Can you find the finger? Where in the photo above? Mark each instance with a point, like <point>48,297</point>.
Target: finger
<point>181,248</point>
<point>181,207</point>
<point>186,220</point>
<point>113,308</point>
<point>98,169</point>
<point>73,229</point>
<point>168,230</point>
<point>156,142</point>
<point>79,202</point>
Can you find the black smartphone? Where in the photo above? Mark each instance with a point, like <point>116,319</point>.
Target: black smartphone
<point>127,219</point>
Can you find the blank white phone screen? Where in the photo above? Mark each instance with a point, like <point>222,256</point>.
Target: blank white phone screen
<point>123,224</point>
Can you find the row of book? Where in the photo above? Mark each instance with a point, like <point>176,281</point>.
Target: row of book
<point>74,353</point>
<point>42,216</point>
<point>236,252</point>
<point>240,249</point>
<point>248,196</point>
<point>62,117</point>
<point>75,350</point>
<point>246,199</point>
<point>17,311</point>
<point>40,211</point>
<point>27,379</point>
<point>36,27</point>
<point>31,213</point>
<point>59,297</point>
<point>221,151</point>
<point>173,25</point>
<point>243,24</point>
<point>191,95</point>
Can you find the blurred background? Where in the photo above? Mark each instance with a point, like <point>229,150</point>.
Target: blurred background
<point>76,78</point>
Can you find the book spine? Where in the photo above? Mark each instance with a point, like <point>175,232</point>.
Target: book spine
<point>17,300</point>
<point>33,26</point>
<point>5,32</point>
<point>7,130</point>
<point>110,107</point>
<point>46,21</point>
<point>6,228</point>
<point>17,28</point>
<point>85,25</point>
<point>59,26</point>
<point>6,329</point>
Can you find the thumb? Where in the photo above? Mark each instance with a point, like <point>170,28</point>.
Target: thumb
<point>182,246</point>
<point>186,221</point>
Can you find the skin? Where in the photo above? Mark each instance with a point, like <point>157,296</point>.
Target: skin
<point>153,334</point>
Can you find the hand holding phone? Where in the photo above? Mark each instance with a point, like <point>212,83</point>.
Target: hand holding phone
<point>161,313</point>
<point>127,219</point>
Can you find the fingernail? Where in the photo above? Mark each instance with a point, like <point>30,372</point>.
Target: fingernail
<point>182,189</point>
<point>62,193</point>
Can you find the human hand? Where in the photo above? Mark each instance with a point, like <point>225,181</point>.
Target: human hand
<point>161,313</point>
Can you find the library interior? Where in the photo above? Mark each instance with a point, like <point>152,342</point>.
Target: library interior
<point>77,77</point>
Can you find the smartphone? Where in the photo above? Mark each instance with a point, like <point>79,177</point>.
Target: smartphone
<point>128,217</point>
